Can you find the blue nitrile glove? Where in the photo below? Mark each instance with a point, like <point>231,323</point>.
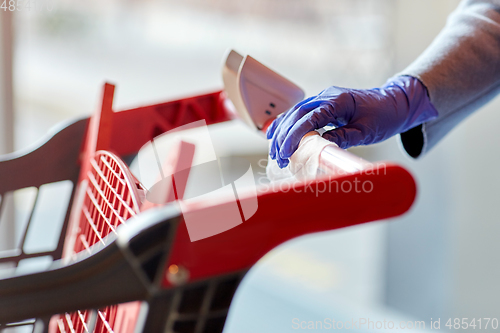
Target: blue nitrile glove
<point>361,117</point>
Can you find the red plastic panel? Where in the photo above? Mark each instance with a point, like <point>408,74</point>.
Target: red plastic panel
<point>176,170</point>
<point>134,128</point>
<point>308,207</point>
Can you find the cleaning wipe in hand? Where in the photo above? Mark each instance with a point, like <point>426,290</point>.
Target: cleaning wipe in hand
<point>304,162</point>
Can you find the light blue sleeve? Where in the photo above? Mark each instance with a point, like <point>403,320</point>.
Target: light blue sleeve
<point>461,70</point>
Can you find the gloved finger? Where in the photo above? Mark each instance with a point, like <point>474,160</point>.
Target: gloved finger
<point>304,101</point>
<point>282,162</point>
<point>274,125</point>
<point>346,136</point>
<point>272,149</point>
<point>282,127</point>
<point>313,120</point>
<point>270,130</point>
<point>292,140</point>
<point>291,118</point>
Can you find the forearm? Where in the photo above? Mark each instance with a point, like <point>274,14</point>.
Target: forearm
<point>461,68</point>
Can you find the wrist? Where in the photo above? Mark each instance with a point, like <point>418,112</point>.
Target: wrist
<point>412,96</point>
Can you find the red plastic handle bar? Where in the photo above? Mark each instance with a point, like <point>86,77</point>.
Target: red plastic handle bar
<point>326,203</point>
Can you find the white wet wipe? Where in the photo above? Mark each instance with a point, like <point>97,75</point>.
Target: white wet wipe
<point>304,163</point>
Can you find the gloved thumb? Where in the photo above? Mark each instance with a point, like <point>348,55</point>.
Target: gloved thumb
<point>346,136</point>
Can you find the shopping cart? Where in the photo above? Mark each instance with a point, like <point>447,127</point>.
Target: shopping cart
<point>147,275</point>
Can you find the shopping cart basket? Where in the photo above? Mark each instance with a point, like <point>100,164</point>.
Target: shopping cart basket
<point>182,285</point>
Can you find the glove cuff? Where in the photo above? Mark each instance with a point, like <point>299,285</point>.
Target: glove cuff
<point>417,102</point>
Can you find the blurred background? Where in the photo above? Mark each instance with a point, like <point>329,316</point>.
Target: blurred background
<point>438,261</point>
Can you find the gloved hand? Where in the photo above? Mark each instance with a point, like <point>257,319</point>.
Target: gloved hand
<point>361,117</point>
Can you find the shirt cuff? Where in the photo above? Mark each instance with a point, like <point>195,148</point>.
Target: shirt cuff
<point>414,141</point>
